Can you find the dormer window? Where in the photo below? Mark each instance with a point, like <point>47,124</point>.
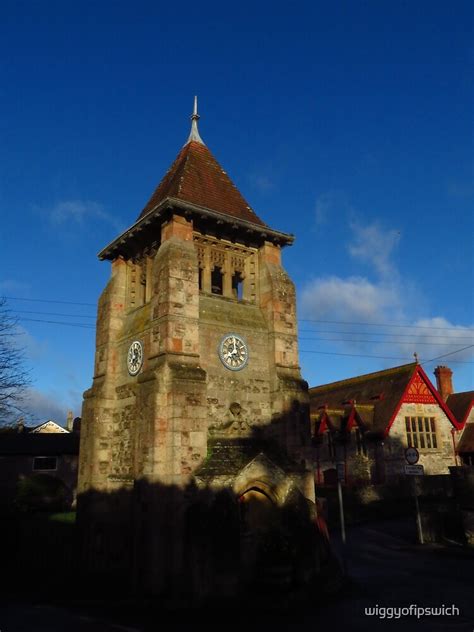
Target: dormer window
<point>377,397</point>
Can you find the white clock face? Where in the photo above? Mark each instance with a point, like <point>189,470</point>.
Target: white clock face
<point>135,357</point>
<point>233,352</point>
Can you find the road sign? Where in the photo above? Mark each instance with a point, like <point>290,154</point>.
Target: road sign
<point>412,456</point>
<point>341,471</point>
<point>414,470</point>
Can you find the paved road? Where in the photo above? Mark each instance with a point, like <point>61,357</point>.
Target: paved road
<point>385,567</point>
<point>388,569</point>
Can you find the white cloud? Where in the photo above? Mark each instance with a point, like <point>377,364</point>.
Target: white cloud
<point>78,211</point>
<point>357,303</point>
<point>353,299</point>
<point>374,245</point>
<point>433,337</point>
<point>39,407</point>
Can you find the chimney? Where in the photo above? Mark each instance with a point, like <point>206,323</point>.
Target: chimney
<point>69,421</point>
<point>444,381</point>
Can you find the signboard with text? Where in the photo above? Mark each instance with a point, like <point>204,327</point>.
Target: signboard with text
<point>414,470</point>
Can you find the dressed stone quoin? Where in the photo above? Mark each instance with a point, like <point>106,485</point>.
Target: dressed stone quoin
<point>197,396</point>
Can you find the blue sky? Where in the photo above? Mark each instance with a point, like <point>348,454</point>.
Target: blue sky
<point>348,124</point>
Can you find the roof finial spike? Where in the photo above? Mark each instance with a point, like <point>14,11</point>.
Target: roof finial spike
<point>415,355</point>
<point>194,134</point>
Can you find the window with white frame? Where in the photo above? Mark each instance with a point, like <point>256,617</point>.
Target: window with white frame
<point>421,433</point>
<point>45,463</point>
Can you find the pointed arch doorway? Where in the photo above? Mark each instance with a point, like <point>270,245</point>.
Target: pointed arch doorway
<point>258,520</point>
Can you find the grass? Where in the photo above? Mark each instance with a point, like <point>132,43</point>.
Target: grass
<point>65,516</point>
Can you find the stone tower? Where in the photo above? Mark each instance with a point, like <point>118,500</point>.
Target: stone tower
<point>197,386</point>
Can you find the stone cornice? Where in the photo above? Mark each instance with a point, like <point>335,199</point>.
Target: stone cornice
<point>158,214</point>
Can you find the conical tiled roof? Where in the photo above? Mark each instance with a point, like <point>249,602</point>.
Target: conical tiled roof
<point>196,177</point>
<point>197,185</point>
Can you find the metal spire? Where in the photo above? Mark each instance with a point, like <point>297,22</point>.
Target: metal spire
<point>194,135</point>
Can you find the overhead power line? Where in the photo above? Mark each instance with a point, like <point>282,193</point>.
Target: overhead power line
<point>445,355</point>
<point>384,342</point>
<point>20,311</point>
<point>91,327</point>
<point>305,320</point>
<point>353,355</point>
<point>58,322</point>
<point>384,333</point>
<point>341,322</point>
<point>360,355</point>
<point>41,300</point>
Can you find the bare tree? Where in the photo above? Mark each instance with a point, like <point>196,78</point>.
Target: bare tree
<point>14,376</point>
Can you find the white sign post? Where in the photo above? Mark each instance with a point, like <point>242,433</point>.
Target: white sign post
<point>412,457</point>
<point>340,468</point>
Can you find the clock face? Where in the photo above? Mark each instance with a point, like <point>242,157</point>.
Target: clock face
<point>135,357</point>
<point>233,352</point>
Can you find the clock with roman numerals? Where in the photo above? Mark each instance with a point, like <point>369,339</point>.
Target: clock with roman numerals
<point>233,352</point>
<point>135,357</point>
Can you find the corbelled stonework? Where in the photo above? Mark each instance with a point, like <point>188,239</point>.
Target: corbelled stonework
<point>150,442</point>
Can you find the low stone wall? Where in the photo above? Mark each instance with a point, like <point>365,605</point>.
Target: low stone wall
<point>463,486</point>
<point>446,504</point>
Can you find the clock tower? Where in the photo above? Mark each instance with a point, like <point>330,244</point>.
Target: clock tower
<point>197,387</point>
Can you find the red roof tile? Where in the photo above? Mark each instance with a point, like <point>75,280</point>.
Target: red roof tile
<point>196,177</point>
<point>382,390</point>
<point>365,389</point>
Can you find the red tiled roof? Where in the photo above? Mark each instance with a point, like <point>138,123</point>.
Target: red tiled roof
<point>196,177</point>
<point>366,389</point>
<point>382,390</point>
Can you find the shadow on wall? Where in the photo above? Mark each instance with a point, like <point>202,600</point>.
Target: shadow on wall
<point>241,527</point>
<point>393,497</point>
<point>191,545</point>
